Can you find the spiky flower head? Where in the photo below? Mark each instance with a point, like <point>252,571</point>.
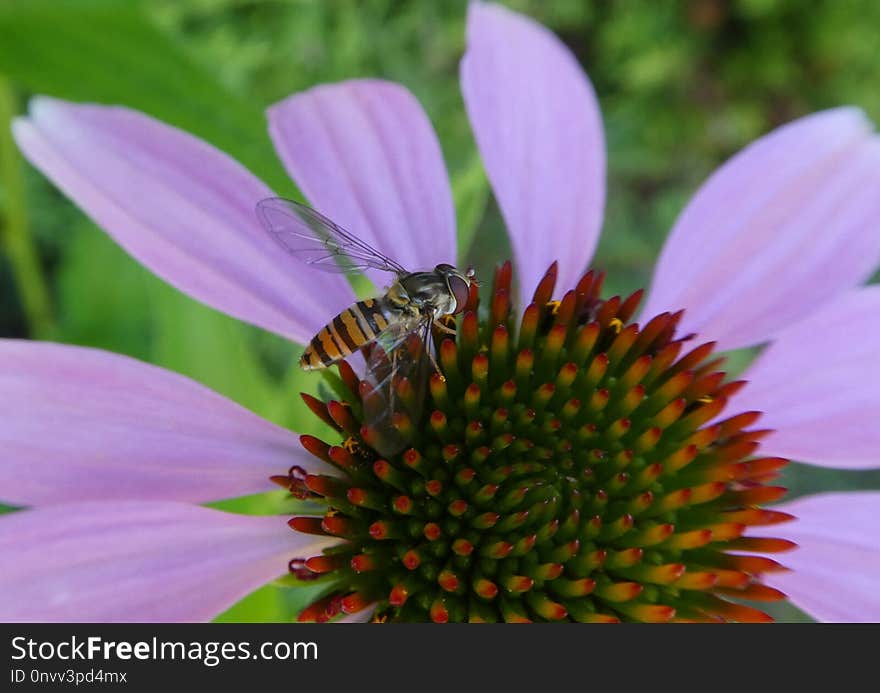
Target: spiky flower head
<point>571,465</point>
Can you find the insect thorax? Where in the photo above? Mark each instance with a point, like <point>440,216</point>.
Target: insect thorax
<point>425,291</point>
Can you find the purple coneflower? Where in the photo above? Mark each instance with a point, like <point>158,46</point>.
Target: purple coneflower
<point>572,464</point>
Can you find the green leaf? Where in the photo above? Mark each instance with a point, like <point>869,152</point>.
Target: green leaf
<point>104,295</point>
<point>107,51</point>
<point>225,355</point>
<point>210,347</point>
<point>470,190</point>
<point>271,604</point>
<point>279,502</point>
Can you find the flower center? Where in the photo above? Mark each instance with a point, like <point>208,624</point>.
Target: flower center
<point>571,467</point>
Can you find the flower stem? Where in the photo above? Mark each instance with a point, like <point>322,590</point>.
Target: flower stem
<point>15,237</point>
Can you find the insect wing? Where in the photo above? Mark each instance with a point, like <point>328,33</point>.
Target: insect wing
<point>317,241</point>
<point>398,365</point>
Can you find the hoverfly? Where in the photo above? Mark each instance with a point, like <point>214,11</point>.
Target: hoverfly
<point>393,331</point>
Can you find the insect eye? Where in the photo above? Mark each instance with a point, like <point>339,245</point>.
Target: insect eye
<point>460,290</point>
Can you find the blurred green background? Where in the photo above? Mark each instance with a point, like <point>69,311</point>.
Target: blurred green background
<point>682,86</point>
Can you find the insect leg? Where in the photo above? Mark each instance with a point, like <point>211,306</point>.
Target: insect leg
<point>444,328</point>
<point>436,365</point>
<point>391,388</point>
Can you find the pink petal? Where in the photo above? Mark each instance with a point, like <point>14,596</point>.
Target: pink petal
<point>82,424</point>
<point>138,561</point>
<point>835,573</point>
<point>539,131</point>
<point>362,616</point>
<point>785,225</point>
<point>180,207</point>
<point>818,385</point>
<point>365,155</point>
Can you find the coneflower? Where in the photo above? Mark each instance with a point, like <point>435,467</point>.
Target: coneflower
<point>575,461</point>
<point>572,466</point>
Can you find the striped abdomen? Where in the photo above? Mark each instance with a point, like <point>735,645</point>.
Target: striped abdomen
<point>353,328</point>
